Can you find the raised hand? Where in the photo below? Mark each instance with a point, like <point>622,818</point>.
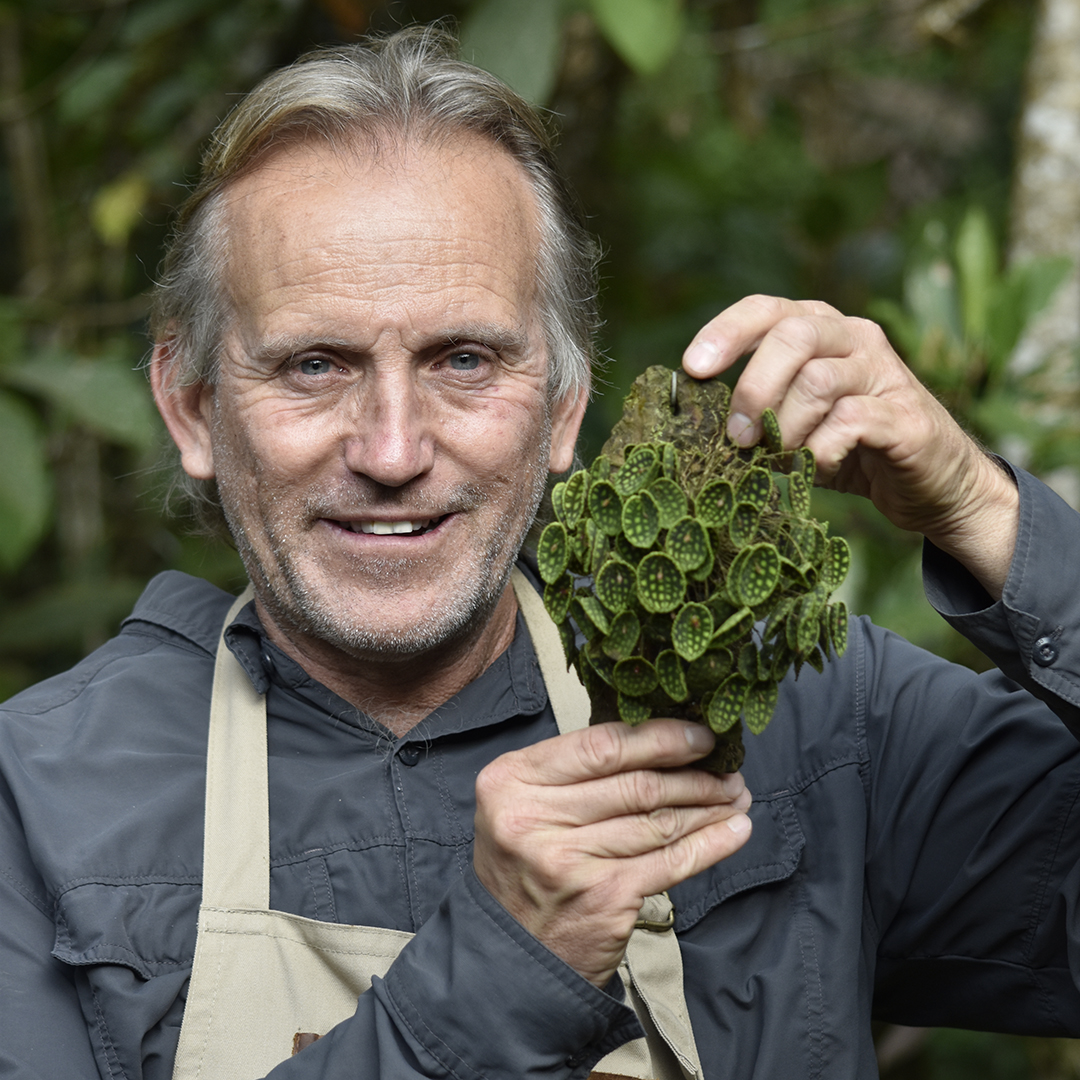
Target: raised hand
<point>838,388</point>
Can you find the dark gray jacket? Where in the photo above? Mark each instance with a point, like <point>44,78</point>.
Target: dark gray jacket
<point>914,852</point>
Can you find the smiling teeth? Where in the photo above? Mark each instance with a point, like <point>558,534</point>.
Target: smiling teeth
<point>389,528</point>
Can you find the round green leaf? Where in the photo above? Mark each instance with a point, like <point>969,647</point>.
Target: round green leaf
<point>708,671</point>
<point>759,706</point>
<point>670,500</point>
<point>641,520</point>
<point>714,505</point>
<point>622,639</point>
<point>605,506</point>
<point>600,469</point>
<point>558,595</point>
<point>799,494</point>
<point>726,704</point>
<point>594,612</point>
<point>754,574</point>
<point>574,498</point>
<point>744,524</point>
<point>755,487</point>
<point>661,585</point>
<point>633,710</point>
<point>671,675</point>
<point>688,543</point>
<point>637,470</point>
<point>635,676</point>
<point>616,584</point>
<point>692,630</point>
<point>553,552</point>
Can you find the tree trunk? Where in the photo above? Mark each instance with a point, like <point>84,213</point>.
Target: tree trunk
<point>1046,202</point>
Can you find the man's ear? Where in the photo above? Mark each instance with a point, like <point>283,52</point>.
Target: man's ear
<point>185,410</point>
<point>566,419</point>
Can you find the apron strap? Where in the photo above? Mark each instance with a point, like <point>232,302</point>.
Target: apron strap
<point>569,699</point>
<point>236,845</point>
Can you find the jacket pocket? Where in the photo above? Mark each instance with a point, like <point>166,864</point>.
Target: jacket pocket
<point>771,854</point>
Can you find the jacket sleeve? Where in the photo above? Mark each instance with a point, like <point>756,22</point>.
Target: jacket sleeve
<point>474,997</point>
<point>973,852</point>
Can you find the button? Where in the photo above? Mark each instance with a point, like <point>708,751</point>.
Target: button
<point>267,661</point>
<point>1045,651</point>
<point>409,755</point>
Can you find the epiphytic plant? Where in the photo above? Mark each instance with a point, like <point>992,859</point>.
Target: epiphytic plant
<point>685,573</point>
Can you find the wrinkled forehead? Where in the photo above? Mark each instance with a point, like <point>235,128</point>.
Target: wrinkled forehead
<point>373,190</point>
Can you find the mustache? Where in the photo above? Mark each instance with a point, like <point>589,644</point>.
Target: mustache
<point>348,503</point>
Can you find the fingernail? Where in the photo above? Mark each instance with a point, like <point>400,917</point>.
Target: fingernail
<point>699,737</point>
<point>739,824</point>
<point>740,429</point>
<point>700,358</point>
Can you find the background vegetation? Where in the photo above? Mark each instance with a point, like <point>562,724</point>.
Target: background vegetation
<point>866,152</point>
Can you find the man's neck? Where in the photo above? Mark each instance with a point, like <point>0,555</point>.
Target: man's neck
<point>400,692</point>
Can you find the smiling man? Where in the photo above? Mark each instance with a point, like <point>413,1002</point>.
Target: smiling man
<point>354,823</point>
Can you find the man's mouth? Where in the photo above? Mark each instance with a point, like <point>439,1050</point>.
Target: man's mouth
<point>392,528</point>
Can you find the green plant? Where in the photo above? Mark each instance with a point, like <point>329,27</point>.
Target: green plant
<point>685,573</point>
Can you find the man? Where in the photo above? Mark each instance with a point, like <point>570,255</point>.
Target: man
<point>371,344</point>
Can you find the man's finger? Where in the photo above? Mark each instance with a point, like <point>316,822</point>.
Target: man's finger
<point>607,749</point>
<point>740,329</point>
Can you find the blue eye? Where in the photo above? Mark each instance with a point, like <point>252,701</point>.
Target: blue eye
<point>315,366</point>
<point>464,361</point>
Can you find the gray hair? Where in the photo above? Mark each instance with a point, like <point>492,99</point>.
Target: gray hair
<point>408,84</point>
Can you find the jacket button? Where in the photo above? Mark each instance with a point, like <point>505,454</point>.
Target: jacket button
<point>409,755</point>
<point>267,662</point>
<point>1045,651</point>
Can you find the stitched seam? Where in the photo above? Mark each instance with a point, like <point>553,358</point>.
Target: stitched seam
<point>108,1050</point>
<point>405,1014</point>
<point>811,979</point>
<point>40,903</point>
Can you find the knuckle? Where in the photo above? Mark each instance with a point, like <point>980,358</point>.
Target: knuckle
<point>601,749</point>
<point>642,789</point>
<point>817,380</point>
<point>665,822</point>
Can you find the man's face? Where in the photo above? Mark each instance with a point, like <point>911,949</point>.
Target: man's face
<point>380,430</point>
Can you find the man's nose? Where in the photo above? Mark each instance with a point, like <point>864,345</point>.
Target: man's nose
<point>391,439</point>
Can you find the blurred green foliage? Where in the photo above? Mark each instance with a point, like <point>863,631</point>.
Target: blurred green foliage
<point>858,151</point>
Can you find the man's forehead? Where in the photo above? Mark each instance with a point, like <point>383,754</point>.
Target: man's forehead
<point>311,172</point>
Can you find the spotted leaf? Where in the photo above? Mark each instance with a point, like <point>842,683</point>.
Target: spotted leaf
<point>837,561</point>
<point>557,597</point>
<point>754,574</point>
<point>725,706</point>
<point>670,500</point>
<point>755,487</point>
<point>688,543</point>
<point>621,640</point>
<point>640,466</point>
<point>633,710</point>
<point>553,551</point>
<point>744,524</point>
<point>798,494</point>
<point>616,584</point>
<point>774,441</point>
<point>641,520</point>
<point>605,507</point>
<point>692,630</point>
<point>759,706</point>
<point>714,505</point>
<point>672,675</point>
<point>574,498</point>
<point>635,676</point>
<point>661,585</point>
<point>709,670</point>
<point>733,627</point>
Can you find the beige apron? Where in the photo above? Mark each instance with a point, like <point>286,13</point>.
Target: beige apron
<point>261,977</point>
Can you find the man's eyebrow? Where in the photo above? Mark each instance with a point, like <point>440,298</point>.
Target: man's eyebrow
<point>511,341</point>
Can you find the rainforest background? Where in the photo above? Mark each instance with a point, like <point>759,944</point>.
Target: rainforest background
<point>917,161</point>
